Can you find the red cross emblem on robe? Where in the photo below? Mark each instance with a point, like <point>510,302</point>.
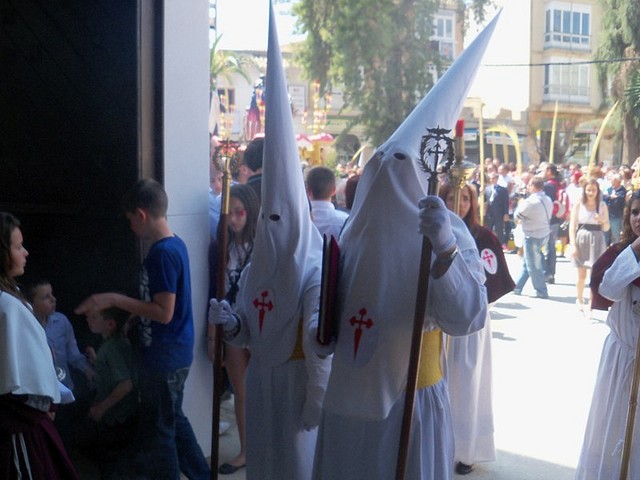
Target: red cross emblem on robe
<point>489,260</point>
<point>263,307</point>
<point>358,324</point>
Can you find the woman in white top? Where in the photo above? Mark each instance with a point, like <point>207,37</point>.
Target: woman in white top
<point>589,221</point>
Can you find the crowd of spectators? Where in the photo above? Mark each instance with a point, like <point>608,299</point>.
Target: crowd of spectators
<point>505,187</point>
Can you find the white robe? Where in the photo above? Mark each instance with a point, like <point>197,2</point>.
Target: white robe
<point>277,300</point>
<point>601,454</point>
<point>365,446</point>
<point>469,377</point>
<point>278,446</point>
<point>356,449</point>
<point>380,252</point>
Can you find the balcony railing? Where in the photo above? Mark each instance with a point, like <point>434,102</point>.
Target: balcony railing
<point>567,41</point>
<point>566,94</point>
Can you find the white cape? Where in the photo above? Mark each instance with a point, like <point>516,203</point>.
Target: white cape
<point>26,363</point>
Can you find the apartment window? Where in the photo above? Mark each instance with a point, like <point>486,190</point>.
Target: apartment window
<point>567,25</point>
<point>443,33</point>
<point>566,83</point>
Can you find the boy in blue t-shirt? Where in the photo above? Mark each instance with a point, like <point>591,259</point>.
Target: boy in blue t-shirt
<point>166,335</point>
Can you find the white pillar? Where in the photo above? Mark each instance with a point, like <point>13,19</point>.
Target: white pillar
<point>186,178</point>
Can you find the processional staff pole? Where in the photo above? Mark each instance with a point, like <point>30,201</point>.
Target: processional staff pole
<point>481,152</point>
<point>631,415</point>
<point>220,293</point>
<point>461,169</point>
<point>433,146</point>
<point>459,173</point>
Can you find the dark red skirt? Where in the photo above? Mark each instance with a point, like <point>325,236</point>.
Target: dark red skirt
<point>29,436</point>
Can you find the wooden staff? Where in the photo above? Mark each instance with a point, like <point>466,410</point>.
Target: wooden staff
<point>631,415</point>
<point>459,173</point>
<point>430,146</point>
<point>481,162</point>
<point>461,170</point>
<point>220,293</point>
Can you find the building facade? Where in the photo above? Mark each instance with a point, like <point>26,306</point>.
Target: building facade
<point>314,114</point>
<point>564,40</point>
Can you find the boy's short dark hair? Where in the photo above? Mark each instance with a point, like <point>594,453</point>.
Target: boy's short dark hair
<point>321,182</point>
<point>30,291</point>
<point>146,194</point>
<point>253,154</point>
<point>118,315</point>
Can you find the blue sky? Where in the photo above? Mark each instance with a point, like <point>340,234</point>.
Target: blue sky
<point>244,24</point>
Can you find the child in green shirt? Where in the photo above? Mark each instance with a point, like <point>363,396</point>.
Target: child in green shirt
<point>110,421</point>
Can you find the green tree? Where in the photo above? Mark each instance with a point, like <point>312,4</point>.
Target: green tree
<point>620,39</point>
<point>377,51</point>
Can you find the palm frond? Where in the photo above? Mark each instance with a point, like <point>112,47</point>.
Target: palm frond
<point>225,63</point>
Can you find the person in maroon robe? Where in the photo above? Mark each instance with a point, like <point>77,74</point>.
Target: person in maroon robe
<point>499,281</point>
<point>469,357</point>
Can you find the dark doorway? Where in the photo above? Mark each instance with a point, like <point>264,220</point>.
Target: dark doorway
<point>72,139</point>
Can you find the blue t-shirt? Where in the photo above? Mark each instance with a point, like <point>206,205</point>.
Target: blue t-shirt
<point>166,269</point>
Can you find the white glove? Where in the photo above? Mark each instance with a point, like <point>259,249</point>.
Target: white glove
<point>220,313</point>
<point>322,351</point>
<point>66,395</point>
<point>434,224</point>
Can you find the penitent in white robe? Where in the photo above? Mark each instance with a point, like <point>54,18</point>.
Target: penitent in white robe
<point>380,251</point>
<point>469,377</point>
<point>364,445</point>
<point>469,369</point>
<point>601,454</point>
<point>279,388</point>
<point>278,298</point>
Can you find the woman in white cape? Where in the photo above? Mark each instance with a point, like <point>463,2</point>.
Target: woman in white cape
<point>615,283</point>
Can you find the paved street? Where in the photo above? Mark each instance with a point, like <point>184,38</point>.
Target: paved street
<point>545,356</point>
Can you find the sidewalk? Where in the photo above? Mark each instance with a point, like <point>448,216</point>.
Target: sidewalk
<point>545,359</point>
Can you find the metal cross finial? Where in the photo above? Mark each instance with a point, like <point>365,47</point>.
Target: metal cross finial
<point>436,153</point>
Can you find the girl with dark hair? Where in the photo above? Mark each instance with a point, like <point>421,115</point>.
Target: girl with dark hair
<point>469,357</point>
<point>615,285</point>
<point>588,222</point>
<point>30,446</point>
<point>244,208</point>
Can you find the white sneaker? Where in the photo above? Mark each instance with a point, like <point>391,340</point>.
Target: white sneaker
<point>224,427</point>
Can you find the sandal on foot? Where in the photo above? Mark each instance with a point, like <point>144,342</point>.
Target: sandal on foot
<point>463,468</point>
<point>228,469</point>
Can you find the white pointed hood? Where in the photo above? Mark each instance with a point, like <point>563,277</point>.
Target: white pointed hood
<point>287,250</point>
<point>380,251</point>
